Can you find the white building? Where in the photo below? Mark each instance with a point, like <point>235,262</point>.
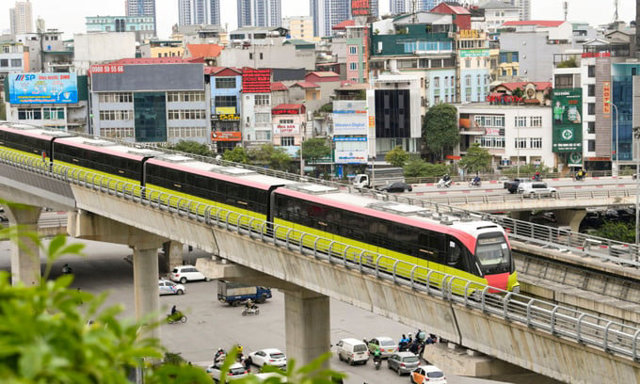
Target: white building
<point>21,18</point>
<point>496,13</point>
<point>197,12</point>
<point>96,48</point>
<point>256,119</point>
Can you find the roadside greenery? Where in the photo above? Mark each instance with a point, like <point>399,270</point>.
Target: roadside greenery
<point>315,149</point>
<point>192,147</point>
<point>527,170</point>
<point>440,130</point>
<point>237,155</point>
<point>419,168</point>
<point>270,156</point>
<point>617,230</point>
<point>397,157</point>
<point>476,160</point>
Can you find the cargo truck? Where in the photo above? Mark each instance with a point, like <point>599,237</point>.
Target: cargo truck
<point>378,178</point>
<point>235,293</point>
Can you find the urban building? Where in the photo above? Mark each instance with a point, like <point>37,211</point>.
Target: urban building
<point>47,51</point>
<point>266,56</point>
<point>13,59</point>
<point>248,36</point>
<point>21,18</point>
<point>208,52</point>
<point>138,8</point>
<point>461,15</point>
<point>397,7</point>
<point>200,34</point>
<point>51,100</point>
<point>97,48</point>
<point>357,53</point>
<point>473,66</point>
<point>226,114</point>
<point>508,68</point>
<point>141,25</point>
<point>496,13</point>
<point>259,13</point>
<point>300,27</point>
<point>196,12</point>
<point>290,127</point>
<point>523,6</point>
<point>279,93</point>
<point>327,13</point>
<point>256,107</point>
<point>162,48</point>
<point>150,102</point>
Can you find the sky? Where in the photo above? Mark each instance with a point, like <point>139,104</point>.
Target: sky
<point>68,15</point>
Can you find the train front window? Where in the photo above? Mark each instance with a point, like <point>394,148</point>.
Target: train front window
<point>492,252</point>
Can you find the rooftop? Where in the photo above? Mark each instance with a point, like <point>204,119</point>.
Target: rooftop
<point>495,4</point>
<point>538,23</point>
<point>306,85</point>
<point>155,60</point>
<point>204,50</point>
<point>278,86</point>
<point>540,85</point>
<point>458,10</point>
<point>289,106</point>
<point>343,26</point>
<point>324,74</point>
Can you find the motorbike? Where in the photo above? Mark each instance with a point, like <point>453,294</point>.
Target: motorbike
<point>474,183</point>
<point>66,270</point>
<point>581,177</point>
<point>176,318</point>
<point>444,184</point>
<point>253,310</point>
<point>377,363</point>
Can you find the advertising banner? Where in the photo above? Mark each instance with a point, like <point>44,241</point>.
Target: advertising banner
<point>256,80</point>
<point>566,109</point>
<point>350,117</point>
<point>286,129</point>
<point>351,150</point>
<point>43,88</point>
<point>575,159</point>
<point>606,97</point>
<point>226,136</point>
<point>474,53</point>
<point>360,8</point>
<point>226,110</point>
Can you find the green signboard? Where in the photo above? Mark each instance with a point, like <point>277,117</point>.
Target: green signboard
<point>474,53</point>
<point>566,110</point>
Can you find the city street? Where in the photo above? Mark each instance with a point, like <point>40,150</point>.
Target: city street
<point>212,325</point>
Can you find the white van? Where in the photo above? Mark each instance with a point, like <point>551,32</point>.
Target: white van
<point>352,351</point>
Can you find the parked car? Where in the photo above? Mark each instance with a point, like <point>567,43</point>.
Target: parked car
<point>236,371</point>
<point>186,273</point>
<point>352,351</point>
<point>428,374</point>
<point>384,344</point>
<point>512,186</point>
<point>531,189</point>
<point>397,187</point>
<point>403,362</point>
<point>268,356</point>
<point>166,287</point>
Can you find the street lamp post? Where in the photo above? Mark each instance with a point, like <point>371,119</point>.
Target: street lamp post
<point>636,136</point>
<point>617,138</point>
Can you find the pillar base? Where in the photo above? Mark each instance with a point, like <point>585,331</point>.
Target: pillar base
<point>25,256</point>
<point>308,325</point>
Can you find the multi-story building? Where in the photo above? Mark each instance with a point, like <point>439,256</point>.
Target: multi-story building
<point>196,12</point>
<point>397,7</point>
<point>327,13</point>
<point>256,107</point>
<point>162,48</point>
<point>289,127</point>
<point>508,68</point>
<point>142,25</point>
<point>226,101</point>
<point>524,8</point>
<point>13,58</point>
<point>461,15</point>
<point>496,13</point>
<point>96,48</point>
<point>21,18</point>
<point>268,56</point>
<point>47,51</point>
<point>473,66</point>
<point>150,102</point>
<point>139,8</point>
<point>300,27</point>
<point>357,60</point>
<point>259,13</point>
<point>200,34</point>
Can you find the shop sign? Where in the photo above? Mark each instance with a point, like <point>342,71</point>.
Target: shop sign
<point>226,136</point>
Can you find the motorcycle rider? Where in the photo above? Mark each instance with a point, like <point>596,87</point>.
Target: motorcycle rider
<point>476,180</point>
<point>219,357</point>
<point>377,358</point>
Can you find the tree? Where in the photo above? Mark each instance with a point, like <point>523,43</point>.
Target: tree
<point>237,155</point>
<point>271,156</point>
<point>315,149</point>
<point>476,160</point>
<point>419,168</point>
<point>3,112</point>
<point>616,230</point>
<point>518,92</point>
<point>569,63</point>
<point>440,130</point>
<point>192,147</point>
<point>397,157</point>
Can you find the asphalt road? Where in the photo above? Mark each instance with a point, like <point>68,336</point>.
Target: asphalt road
<point>212,325</point>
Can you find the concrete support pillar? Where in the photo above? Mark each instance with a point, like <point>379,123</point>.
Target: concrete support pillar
<point>570,218</point>
<point>145,285</point>
<point>25,256</point>
<point>173,255</point>
<point>307,325</point>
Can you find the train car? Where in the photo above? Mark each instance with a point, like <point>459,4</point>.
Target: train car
<point>471,249</point>
<point>29,140</point>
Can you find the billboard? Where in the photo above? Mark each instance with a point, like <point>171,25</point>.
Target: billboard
<point>148,77</point>
<point>286,129</point>
<point>606,97</point>
<point>350,117</point>
<point>351,150</point>
<point>256,80</point>
<point>43,88</point>
<point>566,109</point>
<point>226,136</point>
<point>360,8</point>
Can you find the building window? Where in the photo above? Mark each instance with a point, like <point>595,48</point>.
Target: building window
<point>185,96</point>
<point>263,118</point>
<point>53,113</point>
<point>467,63</point>
<point>115,97</point>
<point>536,121</point>
<point>436,100</point>
<point>187,114</point>
<point>520,121</point>
<point>261,56</point>
<point>262,100</point>
<point>353,66</point>
<point>591,109</point>
<point>436,82</point>
<point>591,145</point>
<point>591,90</point>
<point>225,101</point>
<point>286,121</point>
<point>116,115</point>
<point>186,132</point>
<point>16,62</point>
<point>535,142</point>
<point>591,71</point>
<point>263,135</point>
<point>520,142</point>
<point>29,114</point>
<point>591,127</point>
<point>117,133</point>
<point>287,141</point>
<point>467,80</point>
<point>225,82</point>
<point>353,50</point>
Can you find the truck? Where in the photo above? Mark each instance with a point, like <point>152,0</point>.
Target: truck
<point>235,293</point>
<point>378,177</point>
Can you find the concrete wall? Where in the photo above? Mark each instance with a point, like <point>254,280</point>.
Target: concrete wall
<point>96,48</point>
<point>273,56</point>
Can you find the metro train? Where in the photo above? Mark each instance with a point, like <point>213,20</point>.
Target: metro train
<point>475,250</point>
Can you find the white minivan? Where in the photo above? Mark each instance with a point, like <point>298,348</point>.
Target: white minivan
<point>352,351</point>
<point>185,273</point>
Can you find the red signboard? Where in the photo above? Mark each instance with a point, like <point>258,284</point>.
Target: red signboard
<point>285,112</point>
<point>596,54</point>
<point>107,68</point>
<point>256,80</point>
<point>606,97</point>
<point>453,157</point>
<point>360,8</point>
<point>226,136</point>
<point>503,99</point>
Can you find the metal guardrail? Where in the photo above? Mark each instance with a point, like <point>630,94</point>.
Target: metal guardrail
<point>580,327</point>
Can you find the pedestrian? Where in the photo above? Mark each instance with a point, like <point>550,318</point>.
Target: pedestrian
<point>247,364</point>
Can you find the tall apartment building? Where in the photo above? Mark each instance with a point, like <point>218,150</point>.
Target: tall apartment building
<point>259,13</point>
<point>21,18</point>
<point>196,12</point>
<point>300,27</point>
<point>142,8</point>
<point>327,13</point>
<point>142,26</point>
<point>524,8</point>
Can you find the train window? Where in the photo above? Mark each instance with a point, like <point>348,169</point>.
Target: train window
<point>492,250</point>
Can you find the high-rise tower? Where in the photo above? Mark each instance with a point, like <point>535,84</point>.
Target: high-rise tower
<point>142,8</point>
<point>198,12</point>
<point>20,18</point>
<point>259,13</point>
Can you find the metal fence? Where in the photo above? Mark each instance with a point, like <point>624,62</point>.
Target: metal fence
<point>579,327</point>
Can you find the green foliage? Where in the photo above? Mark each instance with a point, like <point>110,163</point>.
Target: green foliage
<point>327,108</point>
<point>397,157</point>
<point>476,160</point>
<point>271,156</point>
<point>192,147</point>
<point>518,92</point>
<point>313,373</point>
<point>3,111</point>
<point>617,230</point>
<point>569,63</point>
<point>237,155</point>
<point>315,149</point>
<point>440,129</point>
<point>419,168</point>
<point>527,169</point>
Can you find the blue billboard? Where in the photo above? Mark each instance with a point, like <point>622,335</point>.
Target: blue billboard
<point>43,88</point>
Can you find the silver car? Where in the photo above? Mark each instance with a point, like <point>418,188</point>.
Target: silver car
<point>403,362</point>
<point>166,287</point>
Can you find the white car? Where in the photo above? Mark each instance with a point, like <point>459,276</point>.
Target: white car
<point>186,273</point>
<point>268,356</point>
<point>536,188</point>
<point>166,287</point>
<point>428,374</point>
<point>236,371</point>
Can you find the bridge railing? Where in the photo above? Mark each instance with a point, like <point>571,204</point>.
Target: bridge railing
<point>516,197</point>
<point>582,328</point>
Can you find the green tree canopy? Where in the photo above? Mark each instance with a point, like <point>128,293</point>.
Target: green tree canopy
<point>419,168</point>
<point>397,157</point>
<point>315,149</point>
<point>192,147</point>
<point>476,160</point>
<point>617,230</point>
<point>440,130</point>
<point>237,155</point>
<point>274,157</point>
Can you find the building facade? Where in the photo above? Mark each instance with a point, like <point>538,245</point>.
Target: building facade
<point>256,107</point>
<point>142,25</point>
<point>198,12</point>
<point>259,13</point>
<point>139,8</point>
<point>13,59</point>
<point>21,18</point>
<point>327,13</point>
<point>473,66</point>
<point>289,127</point>
<point>357,53</point>
<point>300,27</point>
<point>226,113</point>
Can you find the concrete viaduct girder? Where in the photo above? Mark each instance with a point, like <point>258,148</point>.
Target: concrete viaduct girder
<point>547,204</point>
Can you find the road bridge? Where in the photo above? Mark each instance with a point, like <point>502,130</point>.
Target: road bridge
<point>497,325</point>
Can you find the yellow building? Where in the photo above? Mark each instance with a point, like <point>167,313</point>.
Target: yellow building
<point>167,48</point>
<point>300,27</point>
